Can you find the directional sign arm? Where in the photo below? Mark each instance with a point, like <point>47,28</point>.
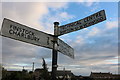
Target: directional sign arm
<point>26,34</point>
<point>83,23</point>
<point>65,48</point>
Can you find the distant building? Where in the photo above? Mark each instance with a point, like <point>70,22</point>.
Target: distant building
<point>37,73</point>
<point>64,74</point>
<point>82,78</point>
<point>11,72</point>
<point>101,76</point>
<point>116,76</point>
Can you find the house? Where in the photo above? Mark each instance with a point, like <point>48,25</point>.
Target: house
<point>13,72</point>
<point>82,78</point>
<point>101,76</point>
<point>37,73</point>
<point>64,74</point>
<point>116,76</point>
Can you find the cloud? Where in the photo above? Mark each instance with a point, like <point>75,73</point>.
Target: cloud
<point>93,32</point>
<point>23,55</point>
<point>79,39</point>
<point>88,3</point>
<point>56,16</point>
<point>112,24</point>
<point>28,16</point>
<point>65,15</point>
<point>57,5</point>
<point>31,14</point>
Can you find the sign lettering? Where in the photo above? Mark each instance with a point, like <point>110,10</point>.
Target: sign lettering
<point>14,30</point>
<point>65,49</point>
<point>23,33</point>
<point>83,23</point>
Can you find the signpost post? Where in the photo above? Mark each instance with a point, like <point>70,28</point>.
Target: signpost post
<point>54,52</point>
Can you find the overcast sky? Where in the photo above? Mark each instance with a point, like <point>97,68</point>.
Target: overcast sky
<point>95,47</point>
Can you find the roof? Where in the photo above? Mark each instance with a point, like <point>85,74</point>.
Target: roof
<point>64,73</point>
<point>14,71</point>
<point>39,69</point>
<point>116,75</point>
<point>100,74</point>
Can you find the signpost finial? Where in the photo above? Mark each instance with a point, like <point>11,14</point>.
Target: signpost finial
<point>56,23</point>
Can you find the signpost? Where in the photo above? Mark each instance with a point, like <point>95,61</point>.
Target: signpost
<point>83,23</point>
<point>23,33</point>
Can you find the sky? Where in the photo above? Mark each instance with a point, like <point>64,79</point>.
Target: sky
<point>95,47</point>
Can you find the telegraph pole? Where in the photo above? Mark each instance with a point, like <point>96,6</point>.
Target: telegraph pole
<point>54,51</point>
<point>33,67</point>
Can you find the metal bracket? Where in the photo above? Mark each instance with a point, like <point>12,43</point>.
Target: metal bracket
<point>55,65</point>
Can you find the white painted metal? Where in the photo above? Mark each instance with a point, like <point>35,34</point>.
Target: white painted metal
<point>83,23</point>
<point>23,33</point>
<point>65,49</point>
